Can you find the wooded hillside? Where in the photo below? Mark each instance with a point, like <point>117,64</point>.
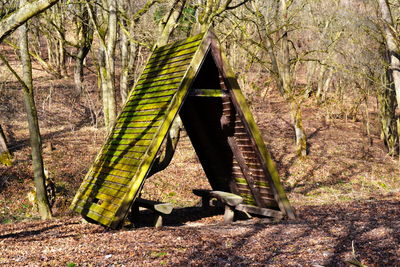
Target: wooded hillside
<point>321,77</point>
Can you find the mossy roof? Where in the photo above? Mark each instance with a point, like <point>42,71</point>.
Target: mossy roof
<point>120,168</point>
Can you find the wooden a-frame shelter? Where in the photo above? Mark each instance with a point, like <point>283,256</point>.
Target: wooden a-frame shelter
<point>190,78</point>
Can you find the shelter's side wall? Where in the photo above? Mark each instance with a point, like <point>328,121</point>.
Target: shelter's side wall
<point>254,183</point>
<point>117,165</point>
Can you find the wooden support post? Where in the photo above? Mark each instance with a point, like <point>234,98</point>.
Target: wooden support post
<point>229,214</point>
<point>228,199</point>
<point>159,208</point>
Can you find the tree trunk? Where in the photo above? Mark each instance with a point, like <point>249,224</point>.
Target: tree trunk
<point>129,53</point>
<point>301,139</point>
<point>5,155</point>
<point>170,21</point>
<point>19,17</point>
<point>286,77</point>
<point>85,38</point>
<point>108,70</point>
<point>389,99</point>
<point>392,49</point>
<point>34,132</point>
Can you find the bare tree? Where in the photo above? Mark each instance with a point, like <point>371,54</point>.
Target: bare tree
<point>34,132</point>
<point>105,27</point>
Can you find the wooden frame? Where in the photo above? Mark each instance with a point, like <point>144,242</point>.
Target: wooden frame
<point>191,71</point>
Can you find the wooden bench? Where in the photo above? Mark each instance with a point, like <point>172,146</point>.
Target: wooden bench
<point>228,199</point>
<point>159,208</point>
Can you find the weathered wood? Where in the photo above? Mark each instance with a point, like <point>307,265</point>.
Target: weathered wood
<point>228,199</point>
<point>126,159</point>
<point>224,197</point>
<point>207,93</point>
<point>251,127</point>
<point>260,211</point>
<point>159,208</point>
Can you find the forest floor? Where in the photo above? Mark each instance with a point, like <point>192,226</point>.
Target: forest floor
<point>346,192</point>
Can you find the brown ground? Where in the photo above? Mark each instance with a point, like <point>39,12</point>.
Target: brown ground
<point>347,192</point>
<point>321,236</point>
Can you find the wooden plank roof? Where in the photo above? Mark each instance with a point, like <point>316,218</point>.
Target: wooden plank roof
<point>120,168</point>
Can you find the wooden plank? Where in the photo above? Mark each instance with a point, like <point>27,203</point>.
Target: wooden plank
<point>151,84</point>
<point>95,172</point>
<point>112,160</point>
<point>180,69</point>
<point>110,181</point>
<point>172,57</point>
<point>260,211</point>
<point>169,67</point>
<point>91,198</point>
<point>124,148</point>
<point>87,213</point>
<point>150,100</point>
<point>139,118</point>
<point>161,78</point>
<point>185,60</point>
<point>107,177</point>
<point>128,141</point>
<point>105,191</point>
<point>206,93</point>
<point>137,124</point>
<point>135,130</point>
<point>145,94</point>
<point>95,208</point>
<point>115,153</point>
<point>133,137</point>
<point>144,112</point>
<point>105,165</point>
<point>153,89</point>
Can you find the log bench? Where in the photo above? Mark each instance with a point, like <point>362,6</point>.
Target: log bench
<point>229,200</point>
<point>159,208</point>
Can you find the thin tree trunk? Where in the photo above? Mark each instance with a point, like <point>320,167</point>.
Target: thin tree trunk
<point>5,155</point>
<point>285,73</point>
<point>387,111</point>
<point>85,36</point>
<point>34,132</point>
<point>170,22</point>
<point>129,53</point>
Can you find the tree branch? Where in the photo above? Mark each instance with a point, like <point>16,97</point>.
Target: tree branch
<point>16,19</point>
